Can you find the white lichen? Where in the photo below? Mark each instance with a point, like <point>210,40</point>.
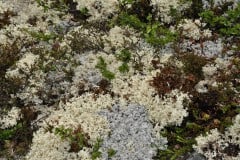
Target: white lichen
<point>192,29</point>
<point>98,9</point>
<point>216,144</point>
<point>11,118</point>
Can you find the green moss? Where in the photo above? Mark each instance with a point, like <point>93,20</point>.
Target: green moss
<point>40,36</point>
<point>5,18</point>
<point>102,66</point>
<point>131,20</point>
<point>156,34</point>
<point>77,138</point>
<point>59,5</point>
<point>194,10</point>
<point>9,56</point>
<point>96,153</point>
<point>111,152</point>
<point>18,137</point>
<point>6,134</point>
<point>179,143</point>
<point>226,22</point>
<point>123,68</point>
<point>193,64</point>
<point>213,109</point>
<point>124,56</point>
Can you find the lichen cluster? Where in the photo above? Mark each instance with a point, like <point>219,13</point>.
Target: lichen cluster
<point>119,79</point>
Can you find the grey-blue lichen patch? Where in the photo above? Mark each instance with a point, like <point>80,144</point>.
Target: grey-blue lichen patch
<point>131,134</point>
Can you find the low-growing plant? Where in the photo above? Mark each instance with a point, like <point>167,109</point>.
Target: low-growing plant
<point>18,138</point>
<point>78,15</point>
<point>43,4</point>
<point>131,20</point>
<point>193,11</point>
<point>169,79</point>
<point>173,77</point>
<point>139,8</point>
<point>213,109</point>
<point>81,42</point>
<point>77,138</point>
<point>179,143</point>
<point>193,64</point>
<point>8,133</point>
<point>154,33</point>
<point>40,36</point>
<point>84,11</point>
<point>10,53</point>
<point>102,66</point>
<point>158,35</point>
<point>123,68</point>
<point>59,5</point>
<point>5,18</point>
<point>124,2</point>
<point>125,57</point>
<point>111,152</point>
<point>227,24</point>
<point>96,153</point>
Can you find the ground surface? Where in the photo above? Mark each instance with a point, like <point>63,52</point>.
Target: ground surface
<point>119,79</point>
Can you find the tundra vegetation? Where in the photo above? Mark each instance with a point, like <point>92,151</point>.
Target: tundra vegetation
<point>63,62</point>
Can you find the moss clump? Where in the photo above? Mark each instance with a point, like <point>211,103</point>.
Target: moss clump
<point>167,80</point>
<point>140,8</point>
<point>141,17</point>
<point>77,138</point>
<point>179,143</point>
<point>96,153</point>
<point>102,66</point>
<point>9,56</point>
<point>65,6</point>
<point>193,64</point>
<point>159,35</point>
<point>80,42</point>
<point>41,36</point>
<point>172,77</point>
<point>194,10</point>
<point>111,152</point>
<point>124,56</point>
<point>6,134</point>
<point>213,109</point>
<point>19,137</point>
<point>223,21</point>
<point>5,18</point>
